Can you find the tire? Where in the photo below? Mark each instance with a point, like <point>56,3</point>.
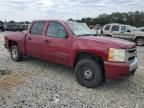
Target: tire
<point>140,41</point>
<point>89,73</point>
<point>109,35</point>
<point>15,54</point>
<point>132,73</point>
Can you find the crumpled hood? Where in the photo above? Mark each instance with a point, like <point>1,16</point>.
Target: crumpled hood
<point>110,42</point>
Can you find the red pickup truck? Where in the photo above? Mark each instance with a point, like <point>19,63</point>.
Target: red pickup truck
<point>94,58</point>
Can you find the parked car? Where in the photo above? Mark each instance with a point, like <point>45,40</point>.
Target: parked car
<point>125,32</point>
<point>2,27</point>
<point>94,58</point>
<point>24,26</point>
<point>13,27</point>
<point>142,29</point>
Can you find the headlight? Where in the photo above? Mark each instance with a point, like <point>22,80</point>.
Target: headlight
<point>117,55</point>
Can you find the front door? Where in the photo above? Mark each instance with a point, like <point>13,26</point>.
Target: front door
<point>57,45</point>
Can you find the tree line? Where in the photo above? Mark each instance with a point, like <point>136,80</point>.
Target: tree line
<point>130,18</point>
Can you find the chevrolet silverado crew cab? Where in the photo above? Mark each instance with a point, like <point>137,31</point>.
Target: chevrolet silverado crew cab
<point>126,32</point>
<point>94,58</point>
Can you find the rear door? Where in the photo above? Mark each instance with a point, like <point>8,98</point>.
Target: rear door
<point>35,38</point>
<point>57,45</point>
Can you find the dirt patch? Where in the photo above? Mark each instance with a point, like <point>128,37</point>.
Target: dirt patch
<point>11,80</point>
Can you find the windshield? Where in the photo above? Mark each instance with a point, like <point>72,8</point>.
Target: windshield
<point>79,29</point>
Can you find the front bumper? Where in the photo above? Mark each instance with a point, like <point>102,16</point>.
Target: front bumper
<point>133,66</point>
<point>115,70</point>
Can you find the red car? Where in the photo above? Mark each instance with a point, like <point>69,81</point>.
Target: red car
<point>94,58</point>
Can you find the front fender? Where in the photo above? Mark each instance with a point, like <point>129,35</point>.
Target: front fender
<point>83,48</point>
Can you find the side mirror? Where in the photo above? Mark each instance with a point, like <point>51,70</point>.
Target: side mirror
<point>128,31</point>
<point>66,36</point>
<point>63,35</point>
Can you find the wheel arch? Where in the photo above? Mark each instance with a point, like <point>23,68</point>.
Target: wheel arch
<point>109,35</point>
<point>83,55</point>
<point>11,43</point>
<point>138,37</point>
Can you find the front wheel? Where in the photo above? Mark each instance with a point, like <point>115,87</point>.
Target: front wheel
<point>15,54</point>
<point>89,73</point>
<point>140,41</point>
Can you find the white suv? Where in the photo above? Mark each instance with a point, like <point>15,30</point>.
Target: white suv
<point>124,32</point>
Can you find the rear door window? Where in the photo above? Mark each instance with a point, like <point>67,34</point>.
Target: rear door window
<point>37,28</point>
<point>115,28</point>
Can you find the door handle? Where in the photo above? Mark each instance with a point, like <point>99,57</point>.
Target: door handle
<point>46,41</point>
<point>29,38</point>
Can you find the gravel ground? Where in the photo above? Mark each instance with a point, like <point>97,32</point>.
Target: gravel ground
<point>38,84</point>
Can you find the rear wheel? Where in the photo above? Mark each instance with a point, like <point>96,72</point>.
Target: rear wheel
<point>89,73</point>
<point>15,53</point>
<point>140,41</point>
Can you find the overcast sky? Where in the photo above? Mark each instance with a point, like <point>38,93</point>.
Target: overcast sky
<point>21,10</point>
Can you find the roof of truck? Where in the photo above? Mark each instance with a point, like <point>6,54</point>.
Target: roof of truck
<point>63,21</point>
<point>49,20</point>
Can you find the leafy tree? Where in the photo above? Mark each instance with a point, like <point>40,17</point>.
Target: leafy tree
<point>27,22</point>
<point>1,22</point>
<point>12,22</point>
<point>70,19</point>
<point>131,18</point>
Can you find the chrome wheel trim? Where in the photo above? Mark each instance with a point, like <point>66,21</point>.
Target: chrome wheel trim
<point>88,74</point>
